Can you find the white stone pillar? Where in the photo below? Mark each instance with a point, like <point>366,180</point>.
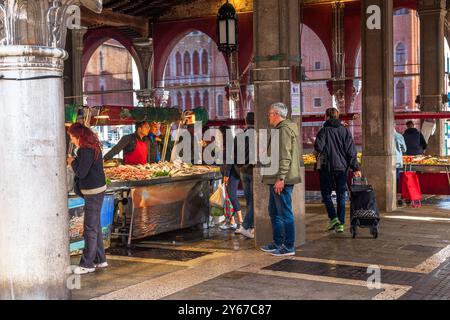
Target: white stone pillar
<point>279,38</point>
<point>34,237</point>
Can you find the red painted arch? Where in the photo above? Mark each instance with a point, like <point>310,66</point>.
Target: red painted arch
<point>95,37</point>
<point>410,4</point>
<point>352,37</point>
<point>318,19</point>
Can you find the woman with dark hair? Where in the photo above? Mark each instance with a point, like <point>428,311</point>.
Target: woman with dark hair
<point>91,185</point>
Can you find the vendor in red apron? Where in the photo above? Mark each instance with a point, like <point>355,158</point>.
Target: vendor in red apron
<point>136,147</point>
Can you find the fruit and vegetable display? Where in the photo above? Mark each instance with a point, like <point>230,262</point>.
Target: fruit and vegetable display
<point>156,170</point>
<point>310,160</point>
<point>426,160</point>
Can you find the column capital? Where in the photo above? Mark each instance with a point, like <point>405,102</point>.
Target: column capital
<point>33,33</point>
<point>144,48</point>
<point>425,7</point>
<point>40,22</point>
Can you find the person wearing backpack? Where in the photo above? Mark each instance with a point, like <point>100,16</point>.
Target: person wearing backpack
<point>337,154</point>
<point>415,141</point>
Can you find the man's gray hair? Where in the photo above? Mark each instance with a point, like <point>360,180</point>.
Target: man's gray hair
<point>281,109</point>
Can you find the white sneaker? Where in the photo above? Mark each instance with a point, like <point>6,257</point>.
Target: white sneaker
<point>239,230</point>
<point>248,234</point>
<point>227,226</point>
<point>103,265</point>
<point>81,270</point>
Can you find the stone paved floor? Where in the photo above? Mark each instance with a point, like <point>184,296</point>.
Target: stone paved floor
<point>411,257</point>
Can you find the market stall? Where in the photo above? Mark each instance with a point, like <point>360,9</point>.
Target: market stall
<point>161,197</point>
<point>433,173</point>
<point>312,179</point>
<point>153,198</point>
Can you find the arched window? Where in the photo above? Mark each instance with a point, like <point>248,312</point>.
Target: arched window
<point>400,57</point>
<point>187,64</point>
<point>197,100</point>
<point>400,94</point>
<point>188,103</point>
<point>196,62</point>
<point>205,62</point>
<point>206,100</point>
<point>179,64</point>
<point>220,105</point>
<point>180,100</point>
<point>168,71</point>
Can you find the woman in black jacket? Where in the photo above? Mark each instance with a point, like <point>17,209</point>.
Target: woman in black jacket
<point>91,185</point>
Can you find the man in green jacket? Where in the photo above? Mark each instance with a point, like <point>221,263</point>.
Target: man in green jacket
<point>281,184</point>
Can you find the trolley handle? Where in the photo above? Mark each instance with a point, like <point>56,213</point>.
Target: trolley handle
<point>360,181</point>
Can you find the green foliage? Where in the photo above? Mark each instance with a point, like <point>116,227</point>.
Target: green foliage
<point>161,174</point>
<point>201,115</point>
<point>71,113</point>
<point>156,114</point>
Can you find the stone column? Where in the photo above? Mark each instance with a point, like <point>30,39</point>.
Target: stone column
<point>73,82</point>
<point>276,43</point>
<point>34,236</point>
<point>337,84</point>
<point>144,47</point>
<point>432,15</point>
<point>378,110</point>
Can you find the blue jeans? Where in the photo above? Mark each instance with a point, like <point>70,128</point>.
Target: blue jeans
<point>282,216</point>
<point>93,252</point>
<point>247,181</point>
<point>329,181</point>
<point>398,171</point>
<point>233,185</point>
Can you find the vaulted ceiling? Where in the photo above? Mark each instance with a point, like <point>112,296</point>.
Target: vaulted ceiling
<point>145,8</point>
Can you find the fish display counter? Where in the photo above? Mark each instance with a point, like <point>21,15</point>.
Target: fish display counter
<point>158,198</point>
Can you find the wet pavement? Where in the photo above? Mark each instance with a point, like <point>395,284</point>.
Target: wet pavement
<point>409,260</point>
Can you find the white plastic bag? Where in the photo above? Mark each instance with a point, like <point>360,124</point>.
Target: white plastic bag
<point>218,197</point>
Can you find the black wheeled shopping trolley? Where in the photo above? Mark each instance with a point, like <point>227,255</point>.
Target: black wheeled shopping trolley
<point>364,211</point>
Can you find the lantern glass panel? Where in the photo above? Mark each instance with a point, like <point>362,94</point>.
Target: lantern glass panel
<point>232,32</point>
<point>223,32</point>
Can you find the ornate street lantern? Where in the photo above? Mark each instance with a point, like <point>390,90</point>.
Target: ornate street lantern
<point>227,29</point>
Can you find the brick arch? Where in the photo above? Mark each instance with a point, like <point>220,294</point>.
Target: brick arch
<point>96,37</point>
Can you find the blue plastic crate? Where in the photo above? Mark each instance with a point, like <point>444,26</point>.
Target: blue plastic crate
<point>106,219</point>
<point>75,203</point>
<point>107,213</point>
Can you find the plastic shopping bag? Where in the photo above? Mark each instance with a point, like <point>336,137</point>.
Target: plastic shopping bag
<point>218,197</point>
<point>216,211</point>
